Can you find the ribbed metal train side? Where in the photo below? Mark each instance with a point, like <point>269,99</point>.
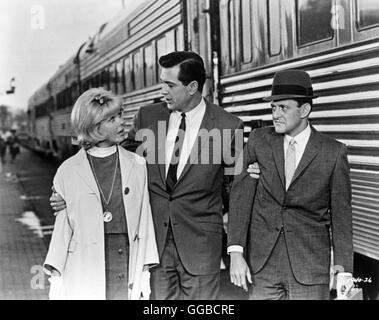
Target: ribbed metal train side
<point>347,80</point>
<point>150,22</point>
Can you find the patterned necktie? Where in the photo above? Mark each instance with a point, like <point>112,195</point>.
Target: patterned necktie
<point>173,168</point>
<point>290,162</point>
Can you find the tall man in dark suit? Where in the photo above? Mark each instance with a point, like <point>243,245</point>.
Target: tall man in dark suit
<point>189,143</point>
<point>287,221</point>
<point>194,143</point>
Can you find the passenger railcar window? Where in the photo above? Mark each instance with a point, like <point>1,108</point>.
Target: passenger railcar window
<point>148,66</point>
<point>368,13</point>
<point>170,41</point>
<point>161,50</point>
<point>246,30</point>
<point>98,80</point>
<point>105,79</point>
<point>137,69</point>
<point>314,19</point>
<point>129,75</point>
<point>179,38</point>
<point>113,78</point>
<point>232,34</point>
<point>121,77</point>
<point>274,34</point>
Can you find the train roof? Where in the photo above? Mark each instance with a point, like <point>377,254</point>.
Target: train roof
<point>41,95</point>
<point>67,72</point>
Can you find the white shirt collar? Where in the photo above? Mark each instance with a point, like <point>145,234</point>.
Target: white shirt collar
<point>301,139</point>
<point>193,113</point>
<point>102,152</point>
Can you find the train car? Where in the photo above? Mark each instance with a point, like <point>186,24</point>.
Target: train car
<point>64,89</point>
<point>123,58</point>
<point>243,43</point>
<point>40,106</point>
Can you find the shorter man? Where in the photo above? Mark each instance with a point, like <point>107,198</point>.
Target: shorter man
<point>300,207</point>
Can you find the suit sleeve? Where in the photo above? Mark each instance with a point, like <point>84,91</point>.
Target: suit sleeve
<point>236,146</point>
<point>130,143</point>
<point>60,240</point>
<point>341,213</point>
<point>151,252</point>
<point>242,197</point>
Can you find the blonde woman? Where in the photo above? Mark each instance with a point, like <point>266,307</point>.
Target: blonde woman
<point>103,241</point>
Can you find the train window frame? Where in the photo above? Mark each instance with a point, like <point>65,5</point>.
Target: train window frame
<point>232,42</point>
<point>105,78</point>
<point>246,37</point>
<point>97,78</point>
<point>179,38</point>
<point>269,31</point>
<point>297,31</point>
<point>361,34</point>
<point>149,76</point>
<point>158,54</point>
<point>170,41</point>
<point>129,74</point>
<point>112,78</point>
<point>357,19</point>
<point>314,46</point>
<point>137,57</point>
<point>121,76</point>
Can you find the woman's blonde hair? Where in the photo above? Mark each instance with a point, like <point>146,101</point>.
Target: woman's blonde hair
<point>92,107</point>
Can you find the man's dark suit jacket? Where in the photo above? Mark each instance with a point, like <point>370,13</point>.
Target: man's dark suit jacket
<point>195,205</point>
<point>317,201</point>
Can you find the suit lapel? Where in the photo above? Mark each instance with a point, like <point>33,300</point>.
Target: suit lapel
<point>278,151</point>
<point>206,124</point>
<point>84,170</point>
<point>160,146</point>
<point>126,165</point>
<point>310,152</point>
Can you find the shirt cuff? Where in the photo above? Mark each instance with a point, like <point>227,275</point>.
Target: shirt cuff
<point>235,248</point>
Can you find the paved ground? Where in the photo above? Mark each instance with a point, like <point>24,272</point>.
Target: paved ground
<point>22,251</point>
<point>26,221</point>
<point>25,227</point>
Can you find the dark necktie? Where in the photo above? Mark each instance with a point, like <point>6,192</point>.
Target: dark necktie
<point>173,168</point>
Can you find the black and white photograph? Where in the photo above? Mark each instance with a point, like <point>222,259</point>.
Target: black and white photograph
<point>213,151</point>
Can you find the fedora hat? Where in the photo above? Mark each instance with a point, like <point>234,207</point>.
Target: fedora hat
<point>291,84</point>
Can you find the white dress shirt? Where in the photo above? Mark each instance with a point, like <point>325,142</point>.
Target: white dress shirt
<point>194,118</point>
<point>301,140</point>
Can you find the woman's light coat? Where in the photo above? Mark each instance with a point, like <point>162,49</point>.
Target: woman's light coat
<point>77,245</point>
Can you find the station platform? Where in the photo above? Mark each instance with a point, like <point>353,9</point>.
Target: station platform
<point>22,250</point>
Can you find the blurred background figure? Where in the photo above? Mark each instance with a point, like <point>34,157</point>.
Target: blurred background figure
<point>14,145</point>
<point>3,148</point>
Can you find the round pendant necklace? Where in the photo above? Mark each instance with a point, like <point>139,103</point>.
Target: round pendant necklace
<point>107,215</point>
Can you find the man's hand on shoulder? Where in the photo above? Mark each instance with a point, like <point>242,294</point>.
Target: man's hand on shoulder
<point>57,203</point>
<point>254,170</point>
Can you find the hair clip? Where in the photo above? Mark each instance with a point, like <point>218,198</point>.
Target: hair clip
<point>99,99</point>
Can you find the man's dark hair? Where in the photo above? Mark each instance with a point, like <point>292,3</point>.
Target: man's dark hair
<point>301,101</point>
<point>191,67</point>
